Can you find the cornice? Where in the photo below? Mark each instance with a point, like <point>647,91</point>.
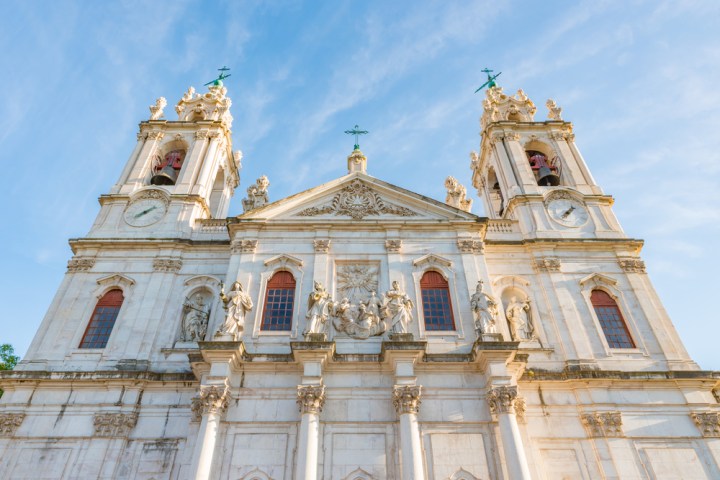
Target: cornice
<point>123,243</point>
<point>531,375</point>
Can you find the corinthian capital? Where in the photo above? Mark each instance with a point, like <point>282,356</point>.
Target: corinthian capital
<point>406,398</point>
<point>502,399</point>
<point>211,399</point>
<point>310,398</point>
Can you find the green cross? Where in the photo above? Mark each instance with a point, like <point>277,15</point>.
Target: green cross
<point>356,132</point>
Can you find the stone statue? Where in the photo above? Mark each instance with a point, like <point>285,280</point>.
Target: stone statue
<point>456,194</point>
<point>358,321</point>
<point>156,111</point>
<point>518,316</point>
<point>485,309</point>
<point>257,194</point>
<point>374,304</point>
<point>237,303</point>
<point>554,112</point>
<point>195,319</point>
<point>398,309</point>
<point>319,303</point>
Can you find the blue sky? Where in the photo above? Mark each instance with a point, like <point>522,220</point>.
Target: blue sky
<point>638,80</point>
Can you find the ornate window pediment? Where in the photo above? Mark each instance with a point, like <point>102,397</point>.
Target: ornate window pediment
<point>283,260</point>
<point>598,279</point>
<point>432,260</point>
<point>462,474</point>
<point>116,280</point>
<point>359,474</point>
<point>202,281</point>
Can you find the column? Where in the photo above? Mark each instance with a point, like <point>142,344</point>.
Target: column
<point>142,162</point>
<point>204,183</point>
<point>209,407</point>
<point>406,399</point>
<point>310,400</point>
<point>502,406</point>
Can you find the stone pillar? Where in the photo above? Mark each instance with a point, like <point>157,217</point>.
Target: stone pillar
<point>502,405</point>
<point>406,399</point>
<point>209,407</point>
<point>310,400</point>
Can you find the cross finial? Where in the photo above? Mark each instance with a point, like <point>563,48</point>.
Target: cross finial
<point>222,76</point>
<point>490,79</point>
<point>355,131</point>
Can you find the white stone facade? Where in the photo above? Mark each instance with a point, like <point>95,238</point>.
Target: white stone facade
<point>358,397</point>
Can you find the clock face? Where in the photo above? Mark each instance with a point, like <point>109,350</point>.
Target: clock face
<point>567,212</point>
<point>144,212</point>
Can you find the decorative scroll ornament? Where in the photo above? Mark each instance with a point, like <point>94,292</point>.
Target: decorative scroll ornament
<point>554,111</point>
<point>603,424</point>
<point>358,201</point>
<point>321,245</point>
<point>708,423</point>
<point>310,398</point>
<point>211,399</point>
<point>257,194</point>
<point>80,264</point>
<point>167,265</point>
<point>406,398</point>
<point>393,246</point>
<point>212,105</point>
<point>9,423</point>
<point>470,246</point>
<point>632,265</point>
<point>547,264</point>
<point>156,111</point>
<point>499,107</point>
<point>502,399</point>
<point>456,194</point>
<point>114,424</point>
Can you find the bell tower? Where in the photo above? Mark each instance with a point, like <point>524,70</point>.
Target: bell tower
<point>179,171</point>
<point>532,171</point>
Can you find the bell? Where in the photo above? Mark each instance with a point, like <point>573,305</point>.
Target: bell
<point>167,176</point>
<point>546,178</point>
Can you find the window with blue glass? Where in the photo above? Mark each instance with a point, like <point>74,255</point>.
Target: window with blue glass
<point>279,302</point>
<point>102,320</point>
<point>437,308</point>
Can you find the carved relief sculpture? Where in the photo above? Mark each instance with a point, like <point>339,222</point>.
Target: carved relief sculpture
<point>356,281</point>
<point>485,309</point>
<point>456,194</point>
<point>406,398</point>
<point>358,201</point>
<point>393,246</point>
<point>502,399</point>
<point>236,303</point>
<point>196,312</point>
<point>603,424</point>
<point>708,423</point>
<point>310,398</point>
<point>9,423</point>
<point>519,319</point>
<point>211,399</point>
<point>319,303</point>
<point>114,424</point>
<point>257,194</point>
<point>359,321</point>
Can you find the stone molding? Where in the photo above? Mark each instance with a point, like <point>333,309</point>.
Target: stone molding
<point>310,398</point>
<point>470,246</point>
<point>9,423</point>
<point>603,424</point>
<point>155,135</point>
<point>629,264</point>
<point>172,265</point>
<point>321,245</point>
<point>202,134</point>
<point>80,264</point>
<point>547,264</point>
<point>211,399</point>
<point>503,400</point>
<point>708,423</point>
<point>114,424</point>
<point>406,398</point>
<point>393,246</point>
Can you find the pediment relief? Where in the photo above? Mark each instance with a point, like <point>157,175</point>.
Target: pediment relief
<point>430,260</point>
<point>115,279</point>
<point>283,260</point>
<point>357,200</point>
<point>598,279</point>
<point>356,197</point>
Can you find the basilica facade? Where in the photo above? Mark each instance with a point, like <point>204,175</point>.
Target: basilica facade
<point>357,330</point>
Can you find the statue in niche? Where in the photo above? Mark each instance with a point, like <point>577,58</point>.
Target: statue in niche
<point>319,303</point>
<point>485,309</point>
<point>518,316</point>
<point>237,303</point>
<point>398,309</point>
<point>195,319</point>
<point>257,194</point>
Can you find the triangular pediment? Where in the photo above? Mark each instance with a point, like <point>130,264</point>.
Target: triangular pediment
<point>357,197</point>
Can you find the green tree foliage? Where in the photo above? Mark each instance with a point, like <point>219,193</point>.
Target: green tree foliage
<point>7,358</point>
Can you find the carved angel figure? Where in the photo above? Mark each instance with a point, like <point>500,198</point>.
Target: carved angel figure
<point>398,308</point>
<point>237,303</point>
<point>195,319</point>
<point>456,194</point>
<point>518,316</point>
<point>257,194</point>
<point>319,303</point>
<point>485,309</point>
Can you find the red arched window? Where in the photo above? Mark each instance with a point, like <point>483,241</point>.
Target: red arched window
<point>102,320</point>
<point>611,320</point>
<point>279,300</point>
<point>437,309</point>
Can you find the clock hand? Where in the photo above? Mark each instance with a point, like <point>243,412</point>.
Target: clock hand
<point>567,212</point>
<point>145,211</point>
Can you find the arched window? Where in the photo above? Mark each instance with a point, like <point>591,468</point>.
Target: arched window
<point>279,301</point>
<point>102,320</point>
<point>611,320</point>
<point>437,309</point>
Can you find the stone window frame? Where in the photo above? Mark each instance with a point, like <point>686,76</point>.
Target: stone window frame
<point>265,298</point>
<point>443,267</point>
<point>276,264</point>
<point>607,284</point>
